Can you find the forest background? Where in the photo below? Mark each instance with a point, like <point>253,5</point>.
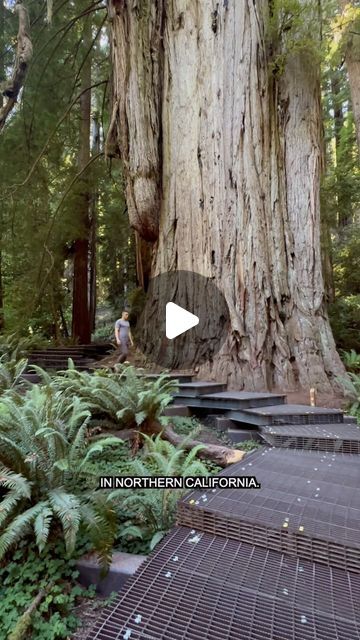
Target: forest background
<point>63,212</point>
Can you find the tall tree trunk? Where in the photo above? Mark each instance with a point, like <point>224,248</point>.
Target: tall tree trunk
<point>239,175</point>
<point>23,56</point>
<point>139,75</point>
<point>342,198</point>
<point>352,59</point>
<point>81,323</point>
<point>143,250</point>
<point>93,227</point>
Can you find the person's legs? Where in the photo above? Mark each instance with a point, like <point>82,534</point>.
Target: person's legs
<point>124,350</point>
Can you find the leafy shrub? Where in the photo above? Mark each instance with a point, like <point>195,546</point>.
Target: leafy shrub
<point>344,317</point>
<point>347,256</point>
<point>23,576</point>
<point>151,513</point>
<point>105,332</point>
<point>247,445</point>
<point>11,371</point>
<point>16,346</point>
<point>125,397</point>
<point>351,385</point>
<point>351,360</point>
<point>117,462</point>
<point>44,452</point>
<point>186,426</point>
<point>143,400</point>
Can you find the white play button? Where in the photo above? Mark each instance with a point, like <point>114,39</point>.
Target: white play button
<point>178,320</point>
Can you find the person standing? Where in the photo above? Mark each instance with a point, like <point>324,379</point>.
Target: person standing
<point>123,335</point>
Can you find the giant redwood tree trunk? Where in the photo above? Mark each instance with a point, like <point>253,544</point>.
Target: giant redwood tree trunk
<point>223,161</point>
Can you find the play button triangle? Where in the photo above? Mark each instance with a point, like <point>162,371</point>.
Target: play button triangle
<point>178,320</point>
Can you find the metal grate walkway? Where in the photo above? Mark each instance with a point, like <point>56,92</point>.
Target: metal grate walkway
<point>278,563</point>
<point>341,438</point>
<point>206,587</point>
<point>308,505</point>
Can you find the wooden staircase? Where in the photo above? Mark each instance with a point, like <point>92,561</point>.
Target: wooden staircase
<point>56,358</point>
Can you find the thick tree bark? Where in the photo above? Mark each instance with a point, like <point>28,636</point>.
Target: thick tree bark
<point>352,59</point>
<point>137,97</point>
<point>240,176</point>
<point>24,51</point>
<point>81,322</point>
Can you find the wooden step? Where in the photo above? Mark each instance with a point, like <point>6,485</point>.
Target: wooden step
<point>287,414</point>
<point>30,377</point>
<point>92,350</point>
<point>243,435</point>
<point>176,410</point>
<point>241,399</point>
<point>56,357</point>
<point>199,388</point>
<point>85,365</point>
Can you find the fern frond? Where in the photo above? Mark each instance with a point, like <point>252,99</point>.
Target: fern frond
<point>42,526</point>
<point>15,482</point>
<point>18,528</point>
<point>67,507</point>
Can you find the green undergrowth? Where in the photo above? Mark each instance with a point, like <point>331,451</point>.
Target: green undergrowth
<point>247,445</point>
<point>23,576</point>
<point>186,426</point>
<point>52,453</point>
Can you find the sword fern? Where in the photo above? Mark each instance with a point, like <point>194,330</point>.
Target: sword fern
<point>45,452</point>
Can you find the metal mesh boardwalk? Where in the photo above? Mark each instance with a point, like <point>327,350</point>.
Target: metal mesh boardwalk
<point>342,438</point>
<point>206,587</point>
<point>308,506</point>
<point>287,414</point>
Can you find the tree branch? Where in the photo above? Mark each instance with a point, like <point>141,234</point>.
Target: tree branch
<point>23,56</point>
<point>41,286</point>
<point>50,137</point>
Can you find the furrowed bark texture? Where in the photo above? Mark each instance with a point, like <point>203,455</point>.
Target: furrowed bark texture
<point>240,169</point>
<point>137,54</point>
<point>23,56</point>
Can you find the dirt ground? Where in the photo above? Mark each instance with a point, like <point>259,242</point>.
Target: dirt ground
<point>332,401</point>
<point>88,612</point>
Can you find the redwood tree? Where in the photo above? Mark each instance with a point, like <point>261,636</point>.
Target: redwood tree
<point>218,124</point>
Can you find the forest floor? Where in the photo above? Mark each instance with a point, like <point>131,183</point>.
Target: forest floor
<point>331,401</point>
<point>88,612</point>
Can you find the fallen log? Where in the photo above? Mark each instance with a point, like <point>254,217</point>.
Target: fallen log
<point>223,456</point>
<point>21,629</point>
